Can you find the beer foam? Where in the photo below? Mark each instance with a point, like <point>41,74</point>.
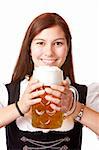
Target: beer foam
<point>48,75</point>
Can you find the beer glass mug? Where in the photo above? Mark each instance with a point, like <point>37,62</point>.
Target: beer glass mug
<point>43,116</point>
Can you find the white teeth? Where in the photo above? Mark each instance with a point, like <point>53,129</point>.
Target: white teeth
<point>46,61</point>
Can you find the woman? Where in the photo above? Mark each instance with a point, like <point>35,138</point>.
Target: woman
<point>47,43</point>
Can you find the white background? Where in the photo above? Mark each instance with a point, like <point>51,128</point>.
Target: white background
<point>83,19</point>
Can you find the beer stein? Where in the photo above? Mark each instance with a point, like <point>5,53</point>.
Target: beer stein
<point>43,116</point>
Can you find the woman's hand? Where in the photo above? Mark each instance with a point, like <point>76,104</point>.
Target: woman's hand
<point>61,96</point>
<point>30,95</point>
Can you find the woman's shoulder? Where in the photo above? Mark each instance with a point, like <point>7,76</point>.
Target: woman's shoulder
<point>93,87</point>
<point>3,95</point>
<point>93,96</point>
<point>3,88</point>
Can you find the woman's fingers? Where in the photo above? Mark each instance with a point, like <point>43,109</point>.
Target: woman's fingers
<point>66,103</point>
<point>53,106</point>
<point>53,92</point>
<point>62,87</point>
<point>65,82</point>
<point>63,103</point>
<point>34,86</point>
<point>52,99</point>
<point>35,101</point>
<point>57,94</point>
<point>59,88</point>
<point>36,93</point>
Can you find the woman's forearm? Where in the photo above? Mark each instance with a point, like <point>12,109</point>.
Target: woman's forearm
<point>8,114</point>
<point>90,118</point>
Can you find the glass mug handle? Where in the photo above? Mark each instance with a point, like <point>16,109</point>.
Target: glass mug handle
<point>75,98</point>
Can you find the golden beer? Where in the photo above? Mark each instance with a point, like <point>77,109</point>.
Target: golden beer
<point>43,116</point>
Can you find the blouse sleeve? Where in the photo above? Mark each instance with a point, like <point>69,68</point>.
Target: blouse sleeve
<point>3,96</point>
<point>93,96</point>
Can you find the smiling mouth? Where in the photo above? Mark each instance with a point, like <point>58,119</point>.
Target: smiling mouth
<point>48,61</point>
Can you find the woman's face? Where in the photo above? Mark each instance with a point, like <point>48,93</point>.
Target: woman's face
<point>49,47</point>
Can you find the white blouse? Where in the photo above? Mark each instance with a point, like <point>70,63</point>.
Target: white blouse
<point>24,123</point>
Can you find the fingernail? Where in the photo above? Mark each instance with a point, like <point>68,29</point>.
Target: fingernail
<point>68,80</point>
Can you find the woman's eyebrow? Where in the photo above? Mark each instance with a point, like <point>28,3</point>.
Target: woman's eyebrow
<point>59,39</point>
<point>38,39</point>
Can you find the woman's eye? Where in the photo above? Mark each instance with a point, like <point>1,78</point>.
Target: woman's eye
<point>58,43</point>
<point>40,43</point>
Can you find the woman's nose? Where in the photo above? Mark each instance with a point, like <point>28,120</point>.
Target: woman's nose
<point>48,50</point>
